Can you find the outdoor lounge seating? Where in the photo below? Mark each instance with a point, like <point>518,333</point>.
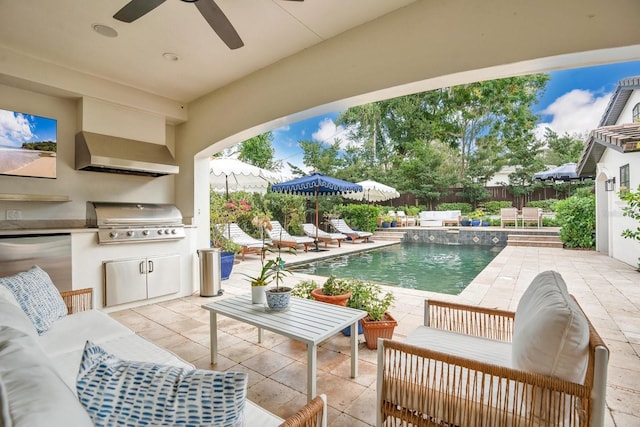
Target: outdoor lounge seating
<point>531,216</point>
<point>354,235</point>
<point>323,236</point>
<point>545,364</point>
<point>250,245</point>
<point>404,220</point>
<point>50,376</point>
<point>508,216</point>
<point>439,218</point>
<point>280,237</point>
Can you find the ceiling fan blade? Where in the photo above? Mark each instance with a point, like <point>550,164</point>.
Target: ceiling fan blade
<point>135,9</point>
<point>219,22</point>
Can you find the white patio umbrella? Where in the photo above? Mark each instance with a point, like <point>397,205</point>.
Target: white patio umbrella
<point>228,174</point>
<point>373,191</point>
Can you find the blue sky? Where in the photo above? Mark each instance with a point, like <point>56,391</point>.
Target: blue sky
<point>573,103</point>
<point>17,128</point>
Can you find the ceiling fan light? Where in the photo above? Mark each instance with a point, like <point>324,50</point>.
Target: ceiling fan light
<point>189,1</point>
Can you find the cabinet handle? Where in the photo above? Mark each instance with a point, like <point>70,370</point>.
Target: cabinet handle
<point>142,268</point>
<point>150,266</point>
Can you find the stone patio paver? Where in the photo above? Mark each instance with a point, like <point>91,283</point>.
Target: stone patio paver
<point>608,290</point>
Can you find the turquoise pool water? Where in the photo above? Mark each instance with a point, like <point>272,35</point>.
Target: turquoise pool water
<point>446,269</point>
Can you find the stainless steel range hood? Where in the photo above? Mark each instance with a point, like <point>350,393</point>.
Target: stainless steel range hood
<point>104,153</point>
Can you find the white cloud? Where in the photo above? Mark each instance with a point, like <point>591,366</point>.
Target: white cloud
<point>328,132</point>
<point>577,113</point>
<point>14,129</point>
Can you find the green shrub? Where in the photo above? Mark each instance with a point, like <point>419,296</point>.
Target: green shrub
<point>303,289</point>
<point>546,205</point>
<point>549,222</point>
<point>577,217</point>
<point>493,207</point>
<point>363,217</point>
<point>465,208</point>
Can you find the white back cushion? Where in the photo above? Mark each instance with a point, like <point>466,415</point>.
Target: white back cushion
<point>551,334</point>
<point>32,393</point>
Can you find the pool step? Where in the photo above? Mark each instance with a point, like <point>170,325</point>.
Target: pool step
<point>534,240</point>
<point>394,236</point>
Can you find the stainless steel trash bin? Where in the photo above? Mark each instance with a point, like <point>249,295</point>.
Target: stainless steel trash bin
<point>210,277</point>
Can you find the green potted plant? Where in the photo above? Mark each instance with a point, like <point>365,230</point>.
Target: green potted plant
<point>379,323</point>
<point>334,291</point>
<point>304,288</point>
<point>278,297</point>
<point>386,221</point>
<point>259,283</point>
<point>476,217</point>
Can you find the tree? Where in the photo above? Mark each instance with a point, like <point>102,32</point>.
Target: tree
<point>321,157</point>
<point>259,151</point>
<point>562,149</point>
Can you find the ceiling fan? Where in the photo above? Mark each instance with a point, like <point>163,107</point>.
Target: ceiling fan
<point>208,8</point>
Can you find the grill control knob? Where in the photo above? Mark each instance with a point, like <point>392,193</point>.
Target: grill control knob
<point>160,231</point>
<point>130,233</point>
<point>173,231</point>
<point>113,234</point>
<point>145,232</point>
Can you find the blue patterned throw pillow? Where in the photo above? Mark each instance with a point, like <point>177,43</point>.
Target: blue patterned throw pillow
<point>127,393</point>
<point>38,297</point>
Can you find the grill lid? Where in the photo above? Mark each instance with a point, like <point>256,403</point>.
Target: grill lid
<point>114,214</point>
<point>135,222</point>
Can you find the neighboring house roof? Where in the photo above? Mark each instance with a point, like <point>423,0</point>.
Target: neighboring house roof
<point>623,138</point>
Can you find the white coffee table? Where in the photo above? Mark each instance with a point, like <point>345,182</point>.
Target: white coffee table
<point>308,321</point>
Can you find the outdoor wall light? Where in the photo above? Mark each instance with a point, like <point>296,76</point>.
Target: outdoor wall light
<point>610,184</point>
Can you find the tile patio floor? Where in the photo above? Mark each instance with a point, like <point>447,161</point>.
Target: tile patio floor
<point>608,291</point>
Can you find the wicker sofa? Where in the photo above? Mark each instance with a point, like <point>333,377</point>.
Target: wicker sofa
<point>39,370</point>
<point>545,364</point>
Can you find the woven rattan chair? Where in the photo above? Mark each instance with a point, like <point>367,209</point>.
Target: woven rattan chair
<point>420,386</point>
<point>313,414</point>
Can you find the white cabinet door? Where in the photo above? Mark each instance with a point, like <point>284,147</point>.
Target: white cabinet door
<point>125,281</point>
<point>163,275</point>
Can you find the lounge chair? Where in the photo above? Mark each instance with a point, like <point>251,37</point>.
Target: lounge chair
<point>249,244</point>
<point>508,215</point>
<point>280,237</point>
<point>323,236</point>
<point>354,235</point>
<point>531,216</point>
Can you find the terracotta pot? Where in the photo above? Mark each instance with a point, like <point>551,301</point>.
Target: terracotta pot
<point>378,329</point>
<point>331,299</point>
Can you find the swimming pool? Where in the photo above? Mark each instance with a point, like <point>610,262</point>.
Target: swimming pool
<point>446,269</point>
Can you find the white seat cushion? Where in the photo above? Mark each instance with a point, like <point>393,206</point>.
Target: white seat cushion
<point>469,346</point>
<point>72,332</point>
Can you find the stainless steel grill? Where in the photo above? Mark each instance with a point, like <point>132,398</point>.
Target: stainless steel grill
<point>135,222</point>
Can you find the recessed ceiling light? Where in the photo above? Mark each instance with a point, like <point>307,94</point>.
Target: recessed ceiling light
<point>170,56</point>
<point>104,30</point>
